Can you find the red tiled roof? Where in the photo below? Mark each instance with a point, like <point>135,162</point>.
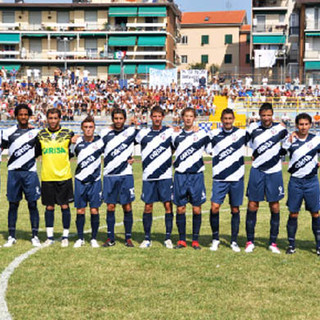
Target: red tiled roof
<point>245,27</point>
<point>213,17</point>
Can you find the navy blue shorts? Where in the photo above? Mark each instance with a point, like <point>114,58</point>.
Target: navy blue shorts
<point>23,181</point>
<point>85,193</point>
<point>157,190</point>
<point>261,185</point>
<point>235,190</point>
<point>189,187</point>
<point>303,189</point>
<point>118,189</point>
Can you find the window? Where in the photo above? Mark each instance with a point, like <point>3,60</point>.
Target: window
<point>35,18</point>
<point>204,58</point>
<point>8,17</point>
<point>204,40</point>
<point>248,58</point>
<point>63,17</point>
<point>93,71</point>
<point>184,59</point>
<point>248,38</point>
<point>184,40</point>
<point>281,18</point>
<point>228,58</point>
<point>228,39</point>
<point>90,16</point>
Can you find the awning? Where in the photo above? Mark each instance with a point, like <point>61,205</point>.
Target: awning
<point>314,34</point>
<point>122,41</point>
<point>35,35</point>
<point>312,65</point>
<point>62,35</point>
<point>9,38</point>
<point>128,69</point>
<point>152,12</point>
<point>123,11</point>
<point>269,39</point>
<point>152,41</point>
<point>144,68</point>
<point>93,34</point>
<point>10,67</point>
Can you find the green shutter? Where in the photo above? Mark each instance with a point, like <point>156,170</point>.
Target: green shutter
<point>152,41</point>
<point>204,40</point>
<point>312,65</point>
<point>10,67</point>
<point>228,39</point>
<point>204,58</point>
<point>269,39</point>
<point>248,38</point>
<point>114,69</point>
<point>152,12</point>
<point>247,58</point>
<point>123,11</point>
<point>228,58</point>
<point>315,34</point>
<point>144,68</point>
<point>128,69</point>
<point>122,41</point>
<point>35,35</point>
<point>8,38</point>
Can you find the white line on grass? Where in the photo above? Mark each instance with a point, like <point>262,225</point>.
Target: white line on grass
<point>8,271</point>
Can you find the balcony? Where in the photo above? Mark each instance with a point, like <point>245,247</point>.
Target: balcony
<point>274,28</point>
<point>275,4</point>
<point>146,26</point>
<point>312,55</point>
<point>9,26</point>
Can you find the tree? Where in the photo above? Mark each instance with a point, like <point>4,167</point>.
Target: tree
<point>197,66</point>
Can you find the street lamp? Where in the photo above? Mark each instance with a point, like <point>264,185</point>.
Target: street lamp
<point>65,40</point>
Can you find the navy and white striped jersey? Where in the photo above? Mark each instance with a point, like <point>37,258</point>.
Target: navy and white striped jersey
<point>227,150</point>
<point>88,159</point>
<point>118,149</point>
<point>21,148</point>
<point>189,147</point>
<point>303,156</point>
<point>266,145</point>
<point>156,153</point>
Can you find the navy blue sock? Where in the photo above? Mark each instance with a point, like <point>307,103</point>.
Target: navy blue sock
<point>316,230</point>
<point>214,222</point>
<point>34,217</point>
<point>251,220</point>
<point>49,219</point>
<point>147,223</point>
<point>12,218</point>
<point>80,225</point>
<point>128,222</point>
<point>181,225</point>
<point>292,226</point>
<point>196,224</point>
<point>95,220</point>
<point>111,221</point>
<point>235,222</point>
<point>169,224</point>
<point>274,227</point>
<point>66,218</point>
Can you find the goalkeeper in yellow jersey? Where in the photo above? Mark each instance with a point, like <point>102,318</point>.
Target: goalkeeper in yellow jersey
<point>56,180</point>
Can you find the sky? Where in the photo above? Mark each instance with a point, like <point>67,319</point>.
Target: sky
<point>215,5</point>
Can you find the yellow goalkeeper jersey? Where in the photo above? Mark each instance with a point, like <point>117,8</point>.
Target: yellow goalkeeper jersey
<point>55,154</point>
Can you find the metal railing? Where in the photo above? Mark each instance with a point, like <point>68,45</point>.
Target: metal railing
<point>276,27</point>
<point>269,3</point>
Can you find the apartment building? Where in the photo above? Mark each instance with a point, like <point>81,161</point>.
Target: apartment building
<point>88,35</point>
<point>213,39</point>
<point>275,39</point>
<point>309,57</point>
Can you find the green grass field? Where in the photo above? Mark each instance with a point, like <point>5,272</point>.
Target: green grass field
<point>157,283</point>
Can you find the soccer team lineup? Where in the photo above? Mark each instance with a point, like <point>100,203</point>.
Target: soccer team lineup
<point>163,148</point>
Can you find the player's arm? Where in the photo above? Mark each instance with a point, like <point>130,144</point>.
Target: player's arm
<point>38,149</point>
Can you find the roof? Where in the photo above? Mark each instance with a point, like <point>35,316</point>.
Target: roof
<point>214,17</point>
<point>245,28</point>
